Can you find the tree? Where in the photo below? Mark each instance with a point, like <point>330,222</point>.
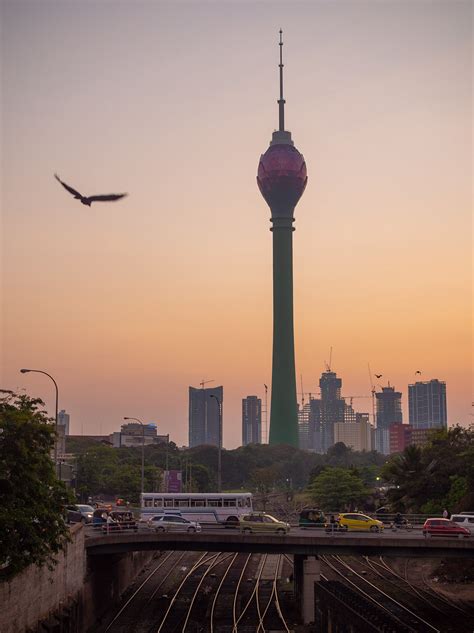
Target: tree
<point>337,489</point>
<point>437,476</point>
<point>32,509</point>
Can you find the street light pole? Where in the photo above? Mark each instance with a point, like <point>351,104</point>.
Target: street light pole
<point>143,446</point>
<point>219,447</point>
<point>39,371</point>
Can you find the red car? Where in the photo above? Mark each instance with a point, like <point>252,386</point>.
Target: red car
<point>444,527</point>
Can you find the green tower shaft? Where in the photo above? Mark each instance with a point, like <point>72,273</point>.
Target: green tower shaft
<point>284,416</point>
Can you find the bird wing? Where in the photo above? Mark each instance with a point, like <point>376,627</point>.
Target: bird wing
<point>107,197</point>
<point>378,375</point>
<point>67,187</point>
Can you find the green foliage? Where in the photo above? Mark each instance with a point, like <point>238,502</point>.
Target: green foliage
<point>337,489</point>
<point>32,504</point>
<point>437,476</point>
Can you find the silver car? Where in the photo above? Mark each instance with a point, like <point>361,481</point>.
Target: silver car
<point>172,523</point>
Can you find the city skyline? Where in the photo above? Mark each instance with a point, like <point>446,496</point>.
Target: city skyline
<point>128,305</point>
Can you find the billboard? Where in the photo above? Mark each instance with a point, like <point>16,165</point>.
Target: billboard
<point>172,481</point>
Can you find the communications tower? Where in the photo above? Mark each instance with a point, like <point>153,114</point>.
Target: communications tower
<point>282,179</point>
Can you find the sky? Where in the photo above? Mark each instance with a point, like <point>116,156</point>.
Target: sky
<point>129,303</point>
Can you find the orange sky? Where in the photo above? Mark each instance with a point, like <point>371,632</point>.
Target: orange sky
<point>127,304</point>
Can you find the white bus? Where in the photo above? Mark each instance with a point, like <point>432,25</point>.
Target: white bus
<point>205,507</point>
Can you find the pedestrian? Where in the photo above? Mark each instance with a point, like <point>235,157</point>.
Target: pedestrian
<point>445,514</point>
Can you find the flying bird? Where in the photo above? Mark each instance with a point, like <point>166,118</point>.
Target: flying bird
<point>87,200</point>
<point>417,372</point>
<point>378,375</point>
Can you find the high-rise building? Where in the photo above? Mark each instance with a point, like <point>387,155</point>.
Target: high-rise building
<point>304,412</point>
<point>251,420</point>
<point>332,407</point>
<point>389,407</point>
<point>399,437</point>
<point>389,412</point>
<point>282,179</point>
<point>204,416</point>
<point>63,420</point>
<point>427,405</point>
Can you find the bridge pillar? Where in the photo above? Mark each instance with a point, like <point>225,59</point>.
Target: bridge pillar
<point>307,571</point>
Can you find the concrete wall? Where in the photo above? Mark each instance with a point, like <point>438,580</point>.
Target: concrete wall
<point>36,593</point>
<point>72,597</point>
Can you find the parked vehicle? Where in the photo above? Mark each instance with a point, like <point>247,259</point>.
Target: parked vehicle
<point>262,522</point>
<point>354,521</point>
<point>311,518</point>
<point>173,523</point>
<point>465,520</point>
<point>444,527</point>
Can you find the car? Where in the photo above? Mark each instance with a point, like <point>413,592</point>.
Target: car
<point>173,523</point>
<point>355,521</point>
<point>444,527</point>
<point>262,522</point>
<point>86,512</point>
<point>465,520</point>
<point>312,518</point>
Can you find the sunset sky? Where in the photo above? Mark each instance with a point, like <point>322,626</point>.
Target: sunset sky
<point>128,303</point>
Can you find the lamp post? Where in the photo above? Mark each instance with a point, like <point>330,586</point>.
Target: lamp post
<point>143,446</point>
<point>39,371</point>
<point>219,447</point>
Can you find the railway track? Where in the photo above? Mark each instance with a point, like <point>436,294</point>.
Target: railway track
<point>413,608</point>
<point>220,593</point>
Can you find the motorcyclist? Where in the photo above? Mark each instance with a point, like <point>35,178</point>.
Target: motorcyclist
<point>398,520</point>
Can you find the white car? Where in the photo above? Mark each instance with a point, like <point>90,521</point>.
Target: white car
<point>172,523</point>
<point>466,520</point>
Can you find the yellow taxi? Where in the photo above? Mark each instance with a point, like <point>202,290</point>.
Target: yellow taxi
<point>354,521</point>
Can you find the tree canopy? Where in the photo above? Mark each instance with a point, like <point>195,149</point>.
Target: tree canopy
<point>434,477</point>
<point>337,489</point>
<point>32,522</point>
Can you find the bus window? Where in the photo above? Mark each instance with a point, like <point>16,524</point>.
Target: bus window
<point>247,502</point>
<point>198,503</point>
<point>168,503</point>
<point>229,503</point>
<point>147,502</point>
<point>158,503</point>
<point>214,503</point>
<point>183,503</point>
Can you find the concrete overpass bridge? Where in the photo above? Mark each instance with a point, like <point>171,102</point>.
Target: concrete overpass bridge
<point>307,545</point>
<point>103,551</point>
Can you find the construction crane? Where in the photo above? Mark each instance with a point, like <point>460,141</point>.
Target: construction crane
<point>352,397</point>
<point>204,382</point>
<point>373,395</point>
<point>328,365</point>
<point>305,393</point>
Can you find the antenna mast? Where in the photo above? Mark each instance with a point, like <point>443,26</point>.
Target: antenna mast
<point>281,101</point>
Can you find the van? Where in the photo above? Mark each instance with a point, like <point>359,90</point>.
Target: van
<point>466,520</point>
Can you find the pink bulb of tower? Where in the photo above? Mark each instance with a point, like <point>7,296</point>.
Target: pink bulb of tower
<point>282,176</point>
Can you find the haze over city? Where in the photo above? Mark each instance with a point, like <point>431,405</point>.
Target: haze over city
<point>127,304</point>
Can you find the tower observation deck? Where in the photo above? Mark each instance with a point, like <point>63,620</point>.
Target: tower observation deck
<point>282,179</point>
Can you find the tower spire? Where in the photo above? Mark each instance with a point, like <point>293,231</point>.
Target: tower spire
<point>281,101</point>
